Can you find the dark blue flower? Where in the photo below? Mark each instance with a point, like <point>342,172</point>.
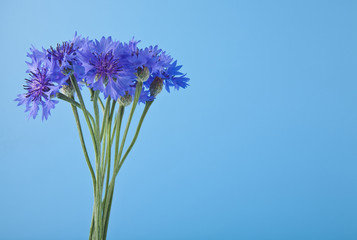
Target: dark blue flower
<point>159,64</point>
<point>171,77</point>
<point>105,69</point>
<point>45,79</point>
<point>151,57</point>
<point>112,67</point>
<point>66,56</point>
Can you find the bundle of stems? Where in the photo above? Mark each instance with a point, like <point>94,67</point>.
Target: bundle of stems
<point>104,131</point>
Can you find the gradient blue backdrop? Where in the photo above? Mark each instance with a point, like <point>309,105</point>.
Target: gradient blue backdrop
<point>262,145</point>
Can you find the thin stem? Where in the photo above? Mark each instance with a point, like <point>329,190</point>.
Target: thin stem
<point>106,112</point>
<point>98,221</point>
<point>97,119</point>
<point>85,112</point>
<point>109,146</point>
<point>104,149</point>
<point>75,113</point>
<point>111,190</point>
<point>73,102</point>
<point>98,165</point>
<point>91,230</point>
<point>68,99</point>
<point>117,156</point>
<point>107,216</point>
<point>107,159</point>
<point>101,104</point>
<point>115,125</point>
<point>109,187</point>
<point>111,117</point>
<point>146,109</point>
<point>118,127</point>
<point>136,99</point>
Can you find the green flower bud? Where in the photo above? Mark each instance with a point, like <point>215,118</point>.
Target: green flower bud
<point>156,86</point>
<point>67,90</point>
<point>142,74</point>
<point>125,100</point>
<point>67,71</point>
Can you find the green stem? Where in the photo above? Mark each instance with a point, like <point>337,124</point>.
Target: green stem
<point>98,165</point>
<point>97,154</point>
<point>117,158</point>
<point>111,190</point>
<point>91,230</point>
<point>135,102</point>
<point>109,146</point>
<point>101,104</point>
<point>104,149</point>
<point>108,192</point>
<point>109,149</point>
<point>73,102</point>
<point>107,216</point>
<point>146,109</point>
<point>84,110</point>
<point>115,126</point>
<point>97,119</point>
<point>68,99</point>
<point>75,113</point>
<point>106,112</point>
<point>111,117</point>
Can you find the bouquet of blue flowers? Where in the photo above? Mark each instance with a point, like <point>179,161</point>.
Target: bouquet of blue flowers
<point>119,72</point>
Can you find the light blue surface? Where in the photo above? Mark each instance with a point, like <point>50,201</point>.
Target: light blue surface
<point>262,145</point>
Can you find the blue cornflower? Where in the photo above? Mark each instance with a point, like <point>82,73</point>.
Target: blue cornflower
<point>45,79</point>
<point>105,69</point>
<point>151,57</point>
<point>159,64</point>
<point>66,56</point>
<point>112,67</point>
<point>169,76</point>
<point>173,77</point>
<point>162,70</point>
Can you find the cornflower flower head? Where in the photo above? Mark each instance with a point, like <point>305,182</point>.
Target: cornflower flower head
<point>66,56</point>
<point>169,76</point>
<point>150,57</point>
<point>45,79</point>
<point>105,69</point>
<point>111,67</point>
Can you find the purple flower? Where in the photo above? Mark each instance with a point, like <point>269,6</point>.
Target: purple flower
<point>105,69</point>
<point>66,56</point>
<point>151,57</point>
<point>159,64</point>
<point>171,77</point>
<point>45,79</point>
<point>112,67</point>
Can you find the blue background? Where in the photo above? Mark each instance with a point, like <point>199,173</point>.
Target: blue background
<point>262,145</point>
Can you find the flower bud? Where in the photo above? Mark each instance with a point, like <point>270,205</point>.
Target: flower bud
<point>67,71</point>
<point>156,86</point>
<point>125,100</point>
<point>142,74</point>
<point>68,89</point>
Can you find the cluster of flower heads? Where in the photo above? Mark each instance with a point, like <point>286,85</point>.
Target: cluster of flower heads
<point>112,67</point>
